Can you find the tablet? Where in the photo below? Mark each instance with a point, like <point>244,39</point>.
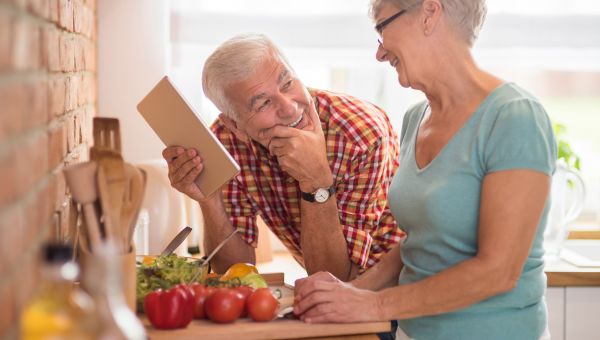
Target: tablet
<point>176,123</point>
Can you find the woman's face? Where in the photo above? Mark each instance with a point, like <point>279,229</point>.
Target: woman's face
<point>398,44</point>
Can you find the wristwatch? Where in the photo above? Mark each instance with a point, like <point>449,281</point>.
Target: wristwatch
<point>321,195</point>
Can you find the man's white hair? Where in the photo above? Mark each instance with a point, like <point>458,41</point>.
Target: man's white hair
<point>236,60</point>
<point>465,16</point>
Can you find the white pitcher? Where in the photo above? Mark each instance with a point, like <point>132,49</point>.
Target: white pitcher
<point>568,196</point>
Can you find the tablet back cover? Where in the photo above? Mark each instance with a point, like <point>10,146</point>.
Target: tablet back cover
<point>176,123</point>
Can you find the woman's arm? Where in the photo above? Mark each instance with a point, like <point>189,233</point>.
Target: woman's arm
<point>512,202</point>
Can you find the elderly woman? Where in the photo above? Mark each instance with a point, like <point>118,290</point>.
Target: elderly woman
<point>476,162</point>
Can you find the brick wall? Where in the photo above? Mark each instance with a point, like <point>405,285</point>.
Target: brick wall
<point>47,101</point>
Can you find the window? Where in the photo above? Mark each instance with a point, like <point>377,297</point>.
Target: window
<point>550,47</point>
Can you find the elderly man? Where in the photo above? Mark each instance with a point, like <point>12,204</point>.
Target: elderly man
<point>315,165</point>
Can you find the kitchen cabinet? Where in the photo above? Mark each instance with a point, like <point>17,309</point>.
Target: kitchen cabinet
<point>573,312</point>
<point>573,299</point>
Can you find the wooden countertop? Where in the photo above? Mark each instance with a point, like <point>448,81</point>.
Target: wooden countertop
<point>276,329</point>
<point>562,274</point>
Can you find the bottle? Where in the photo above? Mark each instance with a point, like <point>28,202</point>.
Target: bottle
<point>59,310</point>
<point>102,279</point>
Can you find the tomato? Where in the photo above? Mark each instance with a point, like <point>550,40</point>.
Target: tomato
<point>201,292</point>
<point>239,270</point>
<point>224,305</point>
<point>261,305</point>
<point>245,291</point>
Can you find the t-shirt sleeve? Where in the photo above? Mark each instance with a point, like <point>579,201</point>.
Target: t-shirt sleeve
<point>521,138</point>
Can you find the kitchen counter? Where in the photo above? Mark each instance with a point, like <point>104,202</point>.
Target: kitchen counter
<point>562,274</point>
<point>276,329</point>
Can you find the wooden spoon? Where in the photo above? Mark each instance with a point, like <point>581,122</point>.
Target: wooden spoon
<point>81,179</point>
<point>132,202</point>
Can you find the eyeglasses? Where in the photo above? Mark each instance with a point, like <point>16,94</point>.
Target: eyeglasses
<point>380,26</point>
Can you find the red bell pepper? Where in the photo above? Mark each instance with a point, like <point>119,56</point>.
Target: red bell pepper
<point>170,309</point>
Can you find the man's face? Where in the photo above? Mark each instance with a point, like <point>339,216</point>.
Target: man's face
<point>272,96</point>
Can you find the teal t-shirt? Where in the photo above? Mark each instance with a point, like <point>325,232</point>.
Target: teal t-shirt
<point>438,207</point>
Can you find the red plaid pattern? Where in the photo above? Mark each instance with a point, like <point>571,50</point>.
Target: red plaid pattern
<point>362,149</point>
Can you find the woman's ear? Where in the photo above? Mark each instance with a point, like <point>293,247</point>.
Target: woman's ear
<point>232,125</point>
<point>432,10</point>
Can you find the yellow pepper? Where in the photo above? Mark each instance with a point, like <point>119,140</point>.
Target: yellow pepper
<point>239,270</point>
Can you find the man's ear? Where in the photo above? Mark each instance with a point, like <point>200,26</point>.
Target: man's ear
<point>232,125</point>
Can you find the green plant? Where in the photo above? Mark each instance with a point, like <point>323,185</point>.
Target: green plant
<point>564,148</point>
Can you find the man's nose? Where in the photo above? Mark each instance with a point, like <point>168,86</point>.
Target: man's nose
<point>287,107</point>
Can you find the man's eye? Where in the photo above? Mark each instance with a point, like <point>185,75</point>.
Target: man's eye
<point>288,84</point>
<point>264,104</point>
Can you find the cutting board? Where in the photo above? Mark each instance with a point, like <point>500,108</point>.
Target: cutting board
<point>276,329</point>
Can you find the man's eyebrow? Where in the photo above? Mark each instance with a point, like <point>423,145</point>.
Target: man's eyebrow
<point>254,99</point>
<point>284,74</point>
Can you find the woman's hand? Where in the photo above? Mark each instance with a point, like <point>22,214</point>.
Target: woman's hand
<point>323,298</point>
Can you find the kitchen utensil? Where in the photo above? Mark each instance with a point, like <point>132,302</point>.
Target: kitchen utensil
<point>176,241</point>
<point>107,153</point>
<point>206,260</point>
<point>81,179</point>
<point>132,202</point>
<point>219,246</point>
<point>104,195</point>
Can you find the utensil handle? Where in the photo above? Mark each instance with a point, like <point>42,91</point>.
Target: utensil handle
<point>93,228</point>
<point>176,241</point>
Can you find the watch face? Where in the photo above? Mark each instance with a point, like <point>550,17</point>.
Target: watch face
<point>321,195</point>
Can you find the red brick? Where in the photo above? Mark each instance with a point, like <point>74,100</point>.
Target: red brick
<point>54,15</point>
<point>5,40</point>
<point>67,53</point>
<point>44,206</point>
<point>86,126</point>
<point>13,97</point>
<point>72,92</point>
<point>65,13</point>
<point>79,55</point>
<point>38,108</point>
<point>57,95</point>
<point>26,45</point>
<point>89,55</point>
<point>91,4</point>
<point>83,85</point>
<point>57,146</point>
<point>12,237</point>
<point>39,8</point>
<point>79,12</point>
<point>70,126</point>
<point>32,162</point>
<point>11,188</point>
<point>7,301</point>
<point>51,49</point>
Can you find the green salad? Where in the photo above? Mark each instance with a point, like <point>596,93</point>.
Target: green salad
<point>163,272</point>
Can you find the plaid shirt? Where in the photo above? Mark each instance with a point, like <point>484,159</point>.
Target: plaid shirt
<point>362,149</point>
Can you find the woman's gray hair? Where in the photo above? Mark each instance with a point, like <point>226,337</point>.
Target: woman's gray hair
<point>466,16</point>
<point>236,60</point>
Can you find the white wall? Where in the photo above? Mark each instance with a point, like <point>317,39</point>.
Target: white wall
<point>132,56</point>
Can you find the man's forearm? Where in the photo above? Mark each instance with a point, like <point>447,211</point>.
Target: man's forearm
<point>324,246</point>
<point>216,228</point>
